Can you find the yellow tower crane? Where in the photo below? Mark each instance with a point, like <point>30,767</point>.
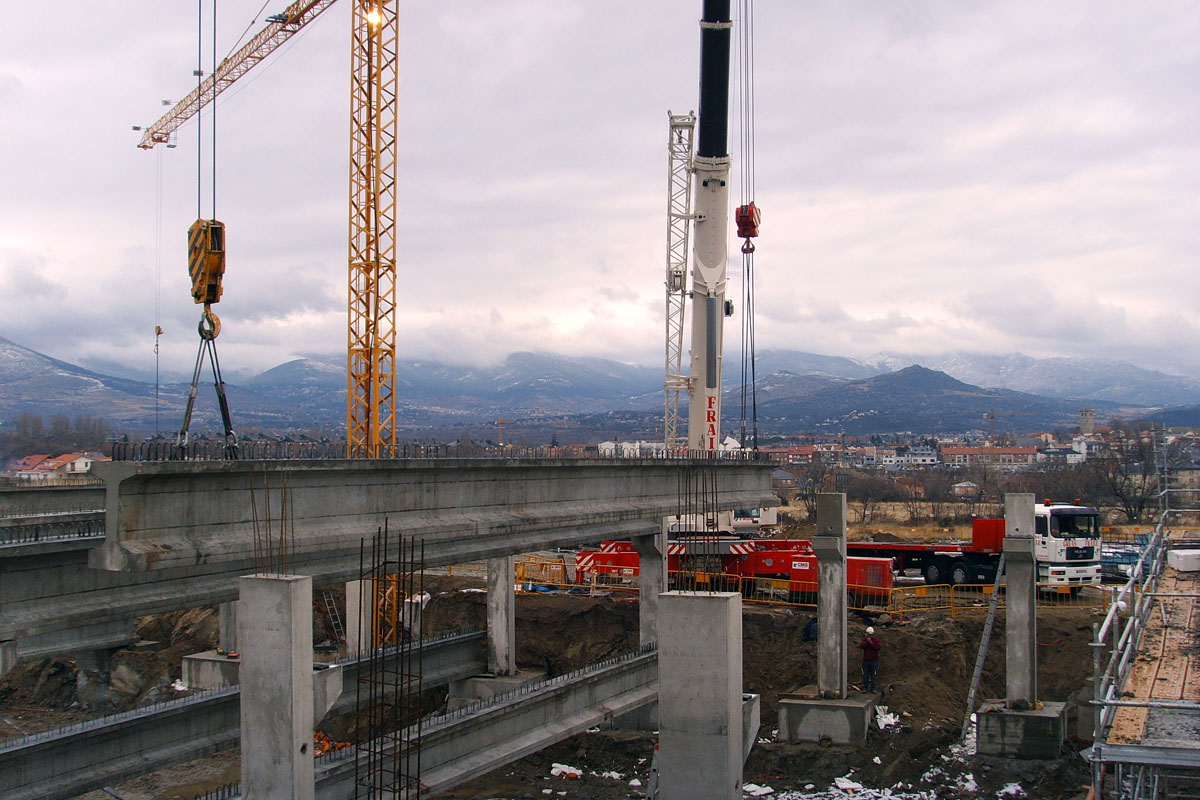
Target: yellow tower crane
<point>371,338</point>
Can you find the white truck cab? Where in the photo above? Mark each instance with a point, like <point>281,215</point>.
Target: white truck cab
<point>1067,544</point>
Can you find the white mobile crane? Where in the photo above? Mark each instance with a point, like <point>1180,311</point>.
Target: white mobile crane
<point>710,166</point>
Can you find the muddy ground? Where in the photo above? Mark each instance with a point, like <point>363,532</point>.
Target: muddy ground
<point>925,670</point>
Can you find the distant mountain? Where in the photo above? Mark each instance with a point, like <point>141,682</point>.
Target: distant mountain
<point>535,383</point>
<point>913,399</point>
<point>579,398</point>
<point>1180,417</point>
<point>1066,378</point>
<point>35,382</point>
<point>798,362</point>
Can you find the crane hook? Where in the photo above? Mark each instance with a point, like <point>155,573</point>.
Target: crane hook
<point>210,324</point>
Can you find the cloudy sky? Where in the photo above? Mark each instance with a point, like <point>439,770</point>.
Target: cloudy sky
<point>994,177</point>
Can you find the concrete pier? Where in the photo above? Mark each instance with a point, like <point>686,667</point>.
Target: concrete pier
<point>700,696</point>
<point>360,622</point>
<point>227,626</point>
<point>652,581</point>
<point>8,656</point>
<point>275,631</point>
<point>828,711</point>
<point>830,546</point>
<point>501,616</point>
<point>1019,726</point>
<point>1020,601</point>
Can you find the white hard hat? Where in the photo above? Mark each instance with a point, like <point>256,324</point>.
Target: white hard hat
<point>870,631</point>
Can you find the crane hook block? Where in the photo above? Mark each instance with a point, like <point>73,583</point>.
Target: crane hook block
<point>206,259</point>
<point>748,218</point>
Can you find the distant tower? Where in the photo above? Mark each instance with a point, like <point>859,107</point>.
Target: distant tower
<point>1087,421</point>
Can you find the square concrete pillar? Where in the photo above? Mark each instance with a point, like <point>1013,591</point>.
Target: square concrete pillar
<point>1020,601</point>
<point>652,581</point>
<point>700,696</point>
<point>830,546</point>
<point>502,616</point>
<point>360,620</point>
<point>227,626</point>
<point>275,632</point>
<point>8,656</point>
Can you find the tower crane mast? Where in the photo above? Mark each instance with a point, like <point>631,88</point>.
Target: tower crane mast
<point>679,225</point>
<point>371,338</point>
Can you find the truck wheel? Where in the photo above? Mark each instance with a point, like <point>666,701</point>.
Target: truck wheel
<point>960,573</point>
<point>935,572</point>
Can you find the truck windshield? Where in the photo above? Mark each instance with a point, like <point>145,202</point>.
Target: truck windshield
<point>1067,526</point>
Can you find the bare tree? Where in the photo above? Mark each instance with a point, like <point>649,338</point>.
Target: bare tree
<point>810,481</point>
<point>937,485</point>
<point>867,492</point>
<point>1125,472</point>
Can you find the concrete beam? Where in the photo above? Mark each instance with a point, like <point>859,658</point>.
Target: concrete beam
<point>198,518</point>
<point>458,747</point>
<point>35,499</point>
<point>68,762</point>
<point>168,514</point>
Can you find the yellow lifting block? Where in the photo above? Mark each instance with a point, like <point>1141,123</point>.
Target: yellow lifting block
<point>206,259</point>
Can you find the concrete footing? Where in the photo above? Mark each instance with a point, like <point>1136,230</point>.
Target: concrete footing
<point>1006,732</point>
<point>806,717</point>
<point>700,696</point>
<point>485,687</point>
<point>208,670</point>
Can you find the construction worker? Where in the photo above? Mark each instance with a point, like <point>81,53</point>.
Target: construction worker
<point>870,646</point>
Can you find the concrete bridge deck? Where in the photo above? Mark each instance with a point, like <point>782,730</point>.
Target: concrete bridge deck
<point>179,534</point>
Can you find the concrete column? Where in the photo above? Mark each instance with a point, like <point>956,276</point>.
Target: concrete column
<point>700,696</point>
<point>359,617</point>
<point>275,633</point>
<point>227,626</point>
<point>1020,601</point>
<point>502,616</point>
<point>652,581</point>
<point>8,656</point>
<point>830,547</point>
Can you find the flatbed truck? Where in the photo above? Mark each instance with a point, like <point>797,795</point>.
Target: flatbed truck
<point>1066,547</point>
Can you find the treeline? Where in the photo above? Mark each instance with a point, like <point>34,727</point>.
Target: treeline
<point>29,433</point>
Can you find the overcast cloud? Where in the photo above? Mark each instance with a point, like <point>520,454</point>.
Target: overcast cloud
<point>1000,177</point>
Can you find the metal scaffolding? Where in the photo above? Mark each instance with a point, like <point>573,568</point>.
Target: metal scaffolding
<point>1145,766</point>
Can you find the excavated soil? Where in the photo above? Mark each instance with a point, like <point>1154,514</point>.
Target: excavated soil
<point>925,672</point>
<point>925,669</point>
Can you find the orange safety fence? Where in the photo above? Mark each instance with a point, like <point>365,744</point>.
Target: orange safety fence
<point>905,600</point>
